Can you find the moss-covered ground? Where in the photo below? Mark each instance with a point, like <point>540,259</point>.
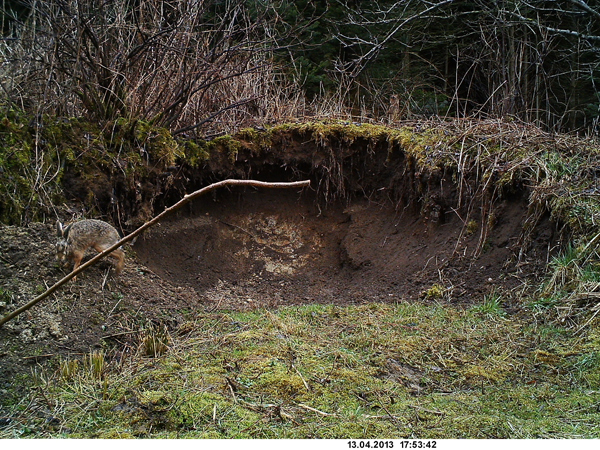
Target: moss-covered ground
<point>372,371</point>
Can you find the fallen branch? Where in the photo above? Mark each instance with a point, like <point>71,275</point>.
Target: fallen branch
<point>148,224</point>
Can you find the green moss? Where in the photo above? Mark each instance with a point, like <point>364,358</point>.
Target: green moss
<point>34,159</point>
<point>194,153</point>
<point>158,142</point>
<point>24,168</point>
<point>472,227</point>
<point>435,292</point>
<point>322,371</point>
<point>227,145</point>
<point>256,139</point>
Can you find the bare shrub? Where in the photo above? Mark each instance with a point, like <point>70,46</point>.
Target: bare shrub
<point>176,64</point>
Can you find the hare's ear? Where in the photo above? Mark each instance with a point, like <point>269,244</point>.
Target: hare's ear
<point>59,229</point>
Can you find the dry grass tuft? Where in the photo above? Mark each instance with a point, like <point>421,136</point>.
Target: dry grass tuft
<point>154,341</point>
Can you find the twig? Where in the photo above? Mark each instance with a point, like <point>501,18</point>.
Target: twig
<point>212,116</point>
<point>302,378</point>
<point>587,323</point>
<point>383,416</point>
<point>148,224</point>
<point>315,410</point>
<point>123,333</point>
<point>48,355</point>
<point>104,280</point>
<point>5,260</point>
<point>230,384</point>
<point>394,420</point>
<point>114,307</point>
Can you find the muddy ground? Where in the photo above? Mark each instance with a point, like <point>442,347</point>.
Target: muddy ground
<point>248,249</point>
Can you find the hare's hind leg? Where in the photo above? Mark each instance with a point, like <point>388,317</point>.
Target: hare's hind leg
<point>118,255</point>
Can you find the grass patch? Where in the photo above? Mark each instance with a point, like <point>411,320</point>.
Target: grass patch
<point>321,371</point>
<point>491,305</point>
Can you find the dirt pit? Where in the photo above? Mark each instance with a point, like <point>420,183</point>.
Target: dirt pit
<point>264,248</point>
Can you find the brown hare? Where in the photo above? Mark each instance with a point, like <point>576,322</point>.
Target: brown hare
<point>76,238</point>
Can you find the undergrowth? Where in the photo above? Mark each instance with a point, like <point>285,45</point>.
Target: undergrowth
<point>321,371</point>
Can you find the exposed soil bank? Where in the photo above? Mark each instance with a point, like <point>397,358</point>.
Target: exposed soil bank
<point>256,248</point>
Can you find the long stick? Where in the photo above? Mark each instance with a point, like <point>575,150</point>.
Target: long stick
<point>148,224</point>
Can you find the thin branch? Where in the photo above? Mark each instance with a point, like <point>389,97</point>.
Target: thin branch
<point>360,62</point>
<point>212,116</point>
<point>583,5</point>
<point>566,32</point>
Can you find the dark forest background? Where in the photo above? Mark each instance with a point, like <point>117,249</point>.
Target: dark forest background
<point>195,66</point>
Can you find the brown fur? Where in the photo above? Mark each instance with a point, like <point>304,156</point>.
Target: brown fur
<point>74,240</point>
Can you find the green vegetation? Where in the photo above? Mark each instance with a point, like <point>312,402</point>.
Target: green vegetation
<point>319,371</point>
<point>37,155</point>
<point>21,185</point>
<point>435,292</point>
<point>491,305</point>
